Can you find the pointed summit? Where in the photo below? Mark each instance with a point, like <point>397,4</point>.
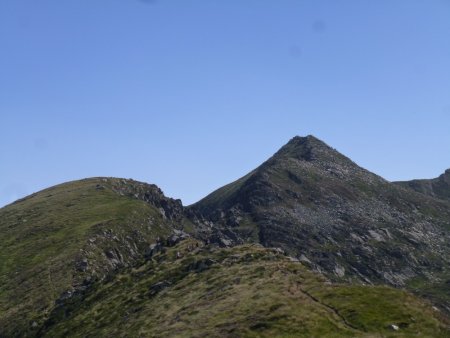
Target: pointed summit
<point>312,151</point>
<point>306,148</point>
<point>299,171</point>
<point>294,164</point>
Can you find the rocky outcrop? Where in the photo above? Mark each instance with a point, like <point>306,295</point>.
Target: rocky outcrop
<point>437,187</point>
<point>169,208</point>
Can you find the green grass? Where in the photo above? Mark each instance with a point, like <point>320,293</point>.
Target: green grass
<point>42,235</point>
<point>437,291</point>
<point>375,308</point>
<point>247,291</point>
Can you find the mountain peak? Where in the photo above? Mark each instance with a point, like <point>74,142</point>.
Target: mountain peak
<point>305,139</point>
<point>308,148</point>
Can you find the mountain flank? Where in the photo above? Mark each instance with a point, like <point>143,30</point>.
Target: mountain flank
<point>307,244</point>
<point>438,187</point>
<point>342,220</point>
<point>61,240</point>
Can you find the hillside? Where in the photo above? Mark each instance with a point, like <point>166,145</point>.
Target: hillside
<point>308,244</point>
<point>60,240</point>
<point>192,290</point>
<point>338,218</point>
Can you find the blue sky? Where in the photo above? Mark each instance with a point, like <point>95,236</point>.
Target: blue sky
<point>192,94</point>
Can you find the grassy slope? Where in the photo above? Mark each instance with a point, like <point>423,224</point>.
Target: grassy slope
<point>41,236</point>
<point>245,291</point>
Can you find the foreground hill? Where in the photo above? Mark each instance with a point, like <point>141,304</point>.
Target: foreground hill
<point>339,218</point>
<point>189,290</point>
<point>62,239</point>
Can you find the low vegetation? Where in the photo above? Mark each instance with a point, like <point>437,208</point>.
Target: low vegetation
<point>44,235</point>
<point>306,245</point>
<point>191,290</point>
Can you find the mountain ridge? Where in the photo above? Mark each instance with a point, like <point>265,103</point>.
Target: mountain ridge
<point>66,246</point>
<point>436,187</point>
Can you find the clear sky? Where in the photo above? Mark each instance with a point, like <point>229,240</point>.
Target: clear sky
<point>192,94</point>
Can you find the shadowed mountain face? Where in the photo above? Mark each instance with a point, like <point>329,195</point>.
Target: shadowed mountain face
<point>437,187</point>
<point>341,219</point>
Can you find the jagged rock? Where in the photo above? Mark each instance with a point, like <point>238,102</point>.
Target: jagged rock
<point>225,242</point>
<point>169,208</point>
<point>82,265</point>
<point>153,249</point>
<point>394,327</point>
<point>278,251</point>
<point>200,265</point>
<point>158,287</point>
<point>64,296</point>
<point>173,240</point>
<point>339,271</point>
<point>304,259</point>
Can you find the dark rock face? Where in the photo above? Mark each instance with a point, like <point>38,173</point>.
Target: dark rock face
<point>200,265</point>
<point>153,249</point>
<point>170,208</point>
<point>437,187</point>
<point>322,208</point>
<point>158,287</point>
